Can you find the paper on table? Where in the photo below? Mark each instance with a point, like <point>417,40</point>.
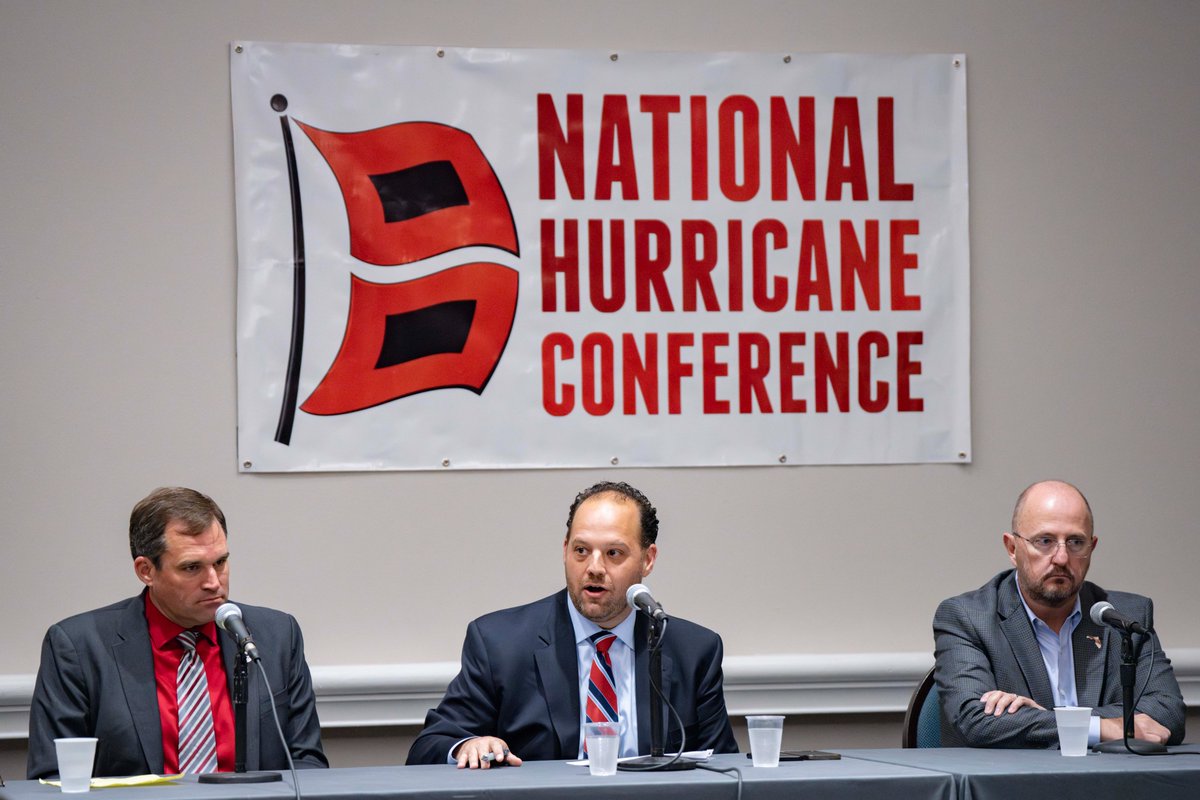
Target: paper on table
<point>132,780</point>
<point>697,755</point>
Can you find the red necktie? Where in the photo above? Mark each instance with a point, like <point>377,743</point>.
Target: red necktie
<point>602,685</point>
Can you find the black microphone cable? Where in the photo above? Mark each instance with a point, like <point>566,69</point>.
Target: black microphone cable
<point>287,750</point>
<point>737,771</point>
<point>1138,699</point>
<point>678,720</point>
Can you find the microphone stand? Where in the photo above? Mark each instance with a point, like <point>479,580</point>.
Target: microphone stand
<point>240,775</point>
<point>656,760</point>
<point>1127,743</point>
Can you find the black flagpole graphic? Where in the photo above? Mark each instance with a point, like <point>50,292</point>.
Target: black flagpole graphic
<point>287,414</point>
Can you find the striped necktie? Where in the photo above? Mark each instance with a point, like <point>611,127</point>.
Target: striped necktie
<point>197,741</point>
<point>602,684</point>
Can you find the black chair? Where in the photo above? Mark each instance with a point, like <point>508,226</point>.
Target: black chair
<point>923,720</point>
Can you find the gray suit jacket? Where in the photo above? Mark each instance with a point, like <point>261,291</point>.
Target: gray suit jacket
<point>520,681</point>
<point>97,679</point>
<point>985,641</point>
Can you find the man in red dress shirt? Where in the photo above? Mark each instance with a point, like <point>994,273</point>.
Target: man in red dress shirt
<point>115,673</point>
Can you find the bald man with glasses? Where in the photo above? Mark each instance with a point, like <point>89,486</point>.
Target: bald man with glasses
<point>1024,642</point>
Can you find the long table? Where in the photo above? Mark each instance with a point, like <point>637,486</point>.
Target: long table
<point>852,779</point>
<point>1028,774</point>
<point>940,774</point>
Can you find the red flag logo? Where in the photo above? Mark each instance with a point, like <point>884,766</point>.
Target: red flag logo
<point>444,330</point>
<point>415,190</point>
<point>412,191</point>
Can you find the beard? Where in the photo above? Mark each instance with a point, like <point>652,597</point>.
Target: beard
<point>1052,595</point>
<point>597,613</point>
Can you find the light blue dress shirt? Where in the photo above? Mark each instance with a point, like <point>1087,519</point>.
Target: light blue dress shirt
<point>623,661</point>
<point>1058,655</point>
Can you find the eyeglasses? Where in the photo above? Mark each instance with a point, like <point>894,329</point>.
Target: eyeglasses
<point>1076,546</point>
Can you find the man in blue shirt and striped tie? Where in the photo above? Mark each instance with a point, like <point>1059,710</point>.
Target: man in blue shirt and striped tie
<point>533,675</point>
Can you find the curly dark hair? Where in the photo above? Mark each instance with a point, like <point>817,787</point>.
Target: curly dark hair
<point>646,512</point>
<point>150,517</point>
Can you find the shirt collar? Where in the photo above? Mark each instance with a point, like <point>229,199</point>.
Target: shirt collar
<point>163,631</point>
<point>584,627</point>
<point>1072,619</point>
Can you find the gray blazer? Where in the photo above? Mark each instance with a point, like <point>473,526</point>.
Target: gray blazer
<point>97,679</point>
<point>984,641</point>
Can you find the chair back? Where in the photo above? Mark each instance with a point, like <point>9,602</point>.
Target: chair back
<point>923,720</point>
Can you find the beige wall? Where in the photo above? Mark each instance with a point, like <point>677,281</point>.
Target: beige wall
<point>117,278</point>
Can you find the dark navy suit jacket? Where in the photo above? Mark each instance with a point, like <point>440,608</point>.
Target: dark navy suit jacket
<point>97,679</point>
<point>520,681</point>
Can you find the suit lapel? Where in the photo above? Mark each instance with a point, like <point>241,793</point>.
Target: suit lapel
<point>1019,632</point>
<point>1089,646</point>
<point>558,670</point>
<point>131,651</point>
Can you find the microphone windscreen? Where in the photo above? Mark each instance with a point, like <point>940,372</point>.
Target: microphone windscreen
<point>1097,612</point>
<point>226,611</point>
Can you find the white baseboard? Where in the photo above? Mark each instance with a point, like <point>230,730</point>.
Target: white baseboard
<point>400,694</point>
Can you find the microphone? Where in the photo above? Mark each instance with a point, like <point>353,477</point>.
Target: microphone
<point>638,596</point>
<point>229,619</point>
<point>1103,613</point>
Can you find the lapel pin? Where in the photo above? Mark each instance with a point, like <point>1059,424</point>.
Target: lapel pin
<point>1095,641</point>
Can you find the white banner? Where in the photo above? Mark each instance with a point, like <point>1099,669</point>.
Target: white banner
<point>491,258</point>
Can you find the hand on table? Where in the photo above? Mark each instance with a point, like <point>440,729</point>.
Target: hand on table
<point>1144,727</point>
<point>471,753</point>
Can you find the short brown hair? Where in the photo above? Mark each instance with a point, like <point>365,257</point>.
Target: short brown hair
<point>150,517</point>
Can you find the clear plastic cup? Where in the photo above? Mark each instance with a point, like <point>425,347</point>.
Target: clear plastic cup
<point>75,759</point>
<point>766,736</point>
<point>603,743</point>
<point>1073,725</point>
